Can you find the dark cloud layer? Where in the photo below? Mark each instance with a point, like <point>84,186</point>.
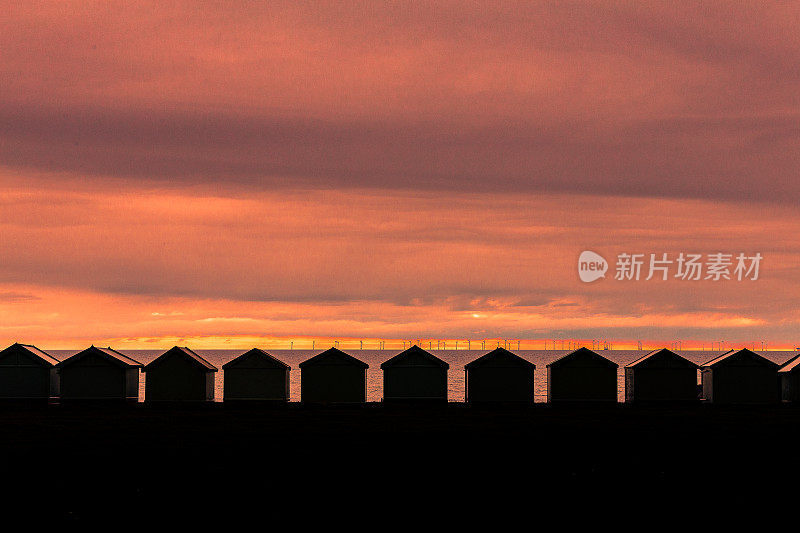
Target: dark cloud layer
<point>679,157</point>
<point>603,98</point>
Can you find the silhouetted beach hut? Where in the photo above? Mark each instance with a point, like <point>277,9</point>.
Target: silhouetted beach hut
<point>740,377</point>
<point>415,375</point>
<point>333,377</point>
<point>99,374</point>
<point>661,376</point>
<point>582,376</point>
<point>256,375</point>
<point>499,376</point>
<point>789,373</point>
<point>179,375</point>
<point>27,373</point>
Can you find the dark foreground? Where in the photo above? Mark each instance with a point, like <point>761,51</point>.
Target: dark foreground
<point>373,466</point>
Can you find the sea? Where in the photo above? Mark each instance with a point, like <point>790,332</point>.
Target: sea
<point>456,358</point>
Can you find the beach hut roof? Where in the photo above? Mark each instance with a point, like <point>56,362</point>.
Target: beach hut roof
<point>107,353</point>
<point>735,355</point>
<point>500,356</point>
<point>415,356</point>
<point>36,352</point>
<point>791,365</point>
<point>333,356</point>
<point>582,354</point>
<point>255,353</point>
<point>661,355</point>
<point>184,352</point>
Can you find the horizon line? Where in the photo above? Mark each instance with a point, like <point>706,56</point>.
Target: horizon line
<point>377,343</point>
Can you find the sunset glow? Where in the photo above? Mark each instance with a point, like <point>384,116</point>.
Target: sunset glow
<point>272,174</point>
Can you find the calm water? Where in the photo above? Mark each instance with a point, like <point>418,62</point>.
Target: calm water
<point>456,358</point>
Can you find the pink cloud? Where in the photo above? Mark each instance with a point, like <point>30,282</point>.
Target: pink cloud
<point>593,97</point>
<point>355,261</point>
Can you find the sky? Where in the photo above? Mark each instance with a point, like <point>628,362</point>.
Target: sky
<point>230,174</point>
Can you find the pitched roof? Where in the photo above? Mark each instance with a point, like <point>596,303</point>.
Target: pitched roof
<point>333,356</point>
<point>582,353</point>
<point>732,355</point>
<point>415,354</point>
<point>499,355</point>
<point>36,352</point>
<point>108,353</point>
<point>255,353</point>
<point>184,352</point>
<point>791,364</point>
<point>660,354</point>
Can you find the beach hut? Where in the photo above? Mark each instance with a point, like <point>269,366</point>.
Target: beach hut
<point>256,375</point>
<point>499,376</point>
<point>27,373</point>
<point>179,375</point>
<point>789,373</point>
<point>415,375</point>
<point>661,376</point>
<point>333,377</point>
<point>740,377</point>
<point>582,376</point>
<point>99,374</point>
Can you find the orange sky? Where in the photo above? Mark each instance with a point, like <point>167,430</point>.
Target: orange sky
<point>229,175</point>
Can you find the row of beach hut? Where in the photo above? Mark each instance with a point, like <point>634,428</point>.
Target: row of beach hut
<point>334,376</point>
